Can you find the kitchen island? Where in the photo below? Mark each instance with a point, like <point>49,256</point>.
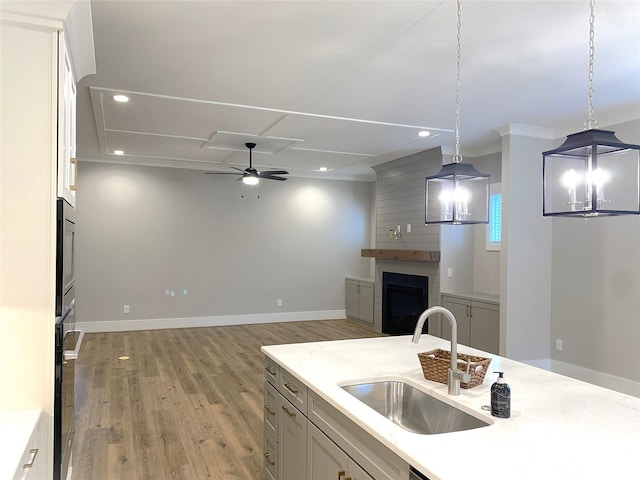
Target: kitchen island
<point>560,428</point>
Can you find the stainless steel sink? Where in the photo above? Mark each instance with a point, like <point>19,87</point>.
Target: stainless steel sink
<point>412,409</point>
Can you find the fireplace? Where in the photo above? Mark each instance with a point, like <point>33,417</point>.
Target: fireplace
<point>404,298</point>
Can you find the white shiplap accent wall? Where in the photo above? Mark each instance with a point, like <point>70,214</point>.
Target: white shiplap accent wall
<point>400,201</point>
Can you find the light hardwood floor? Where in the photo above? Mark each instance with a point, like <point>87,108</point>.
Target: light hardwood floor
<point>187,404</point>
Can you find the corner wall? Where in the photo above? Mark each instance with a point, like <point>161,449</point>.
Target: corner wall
<point>525,258</point>
<point>595,294</point>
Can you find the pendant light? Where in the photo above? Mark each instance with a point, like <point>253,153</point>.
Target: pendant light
<point>592,173</point>
<point>458,194</point>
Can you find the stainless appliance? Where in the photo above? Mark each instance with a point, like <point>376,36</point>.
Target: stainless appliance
<point>416,475</point>
<point>68,341</point>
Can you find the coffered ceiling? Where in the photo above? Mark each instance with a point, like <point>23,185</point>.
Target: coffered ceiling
<point>343,84</point>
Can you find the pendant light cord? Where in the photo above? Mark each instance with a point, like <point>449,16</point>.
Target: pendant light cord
<point>591,123</point>
<point>457,158</point>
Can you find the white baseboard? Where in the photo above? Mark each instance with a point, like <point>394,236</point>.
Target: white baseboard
<point>216,321</point>
<point>543,363</point>
<point>605,380</point>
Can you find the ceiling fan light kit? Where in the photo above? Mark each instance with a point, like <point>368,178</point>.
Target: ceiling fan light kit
<point>458,194</point>
<point>592,173</point>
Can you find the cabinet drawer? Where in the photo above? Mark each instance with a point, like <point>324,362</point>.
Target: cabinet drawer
<point>270,457</point>
<point>293,390</point>
<point>271,371</point>
<point>30,466</point>
<point>271,410</point>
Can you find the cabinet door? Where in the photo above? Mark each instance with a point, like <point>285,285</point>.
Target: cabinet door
<point>355,472</point>
<point>485,326</point>
<point>67,163</point>
<point>351,299</point>
<point>460,310</point>
<point>292,450</point>
<point>271,410</point>
<point>325,460</point>
<point>270,458</point>
<point>365,302</point>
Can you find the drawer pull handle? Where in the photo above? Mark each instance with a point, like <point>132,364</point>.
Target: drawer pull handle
<point>289,412</point>
<point>270,371</point>
<point>33,454</point>
<point>341,475</point>
<point>291,388</point>
<point>268,409</point>
<point>267,456</point>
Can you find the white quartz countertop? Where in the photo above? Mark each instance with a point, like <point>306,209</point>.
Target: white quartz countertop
<point>560,428</point>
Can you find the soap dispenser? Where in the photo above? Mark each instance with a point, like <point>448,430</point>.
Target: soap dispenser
<point>500,398</point>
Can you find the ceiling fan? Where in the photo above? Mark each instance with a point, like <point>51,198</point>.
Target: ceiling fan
<point>251,176</point>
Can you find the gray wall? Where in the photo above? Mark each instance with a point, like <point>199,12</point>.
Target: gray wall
<point>525,256</point>
<point>145,230</point>
<point>464,247</point>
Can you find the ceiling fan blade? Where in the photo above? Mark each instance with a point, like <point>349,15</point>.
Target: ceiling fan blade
<point>274,172</point>
<point>225,173</point>
<point>272,177</point>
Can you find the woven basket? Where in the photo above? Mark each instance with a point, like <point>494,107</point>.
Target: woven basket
<point>436,363</point>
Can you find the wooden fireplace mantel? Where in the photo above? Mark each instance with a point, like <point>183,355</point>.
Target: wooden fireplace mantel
<point>406,255</point>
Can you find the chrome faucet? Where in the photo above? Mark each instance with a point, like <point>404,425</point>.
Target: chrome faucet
<point>454,375</point>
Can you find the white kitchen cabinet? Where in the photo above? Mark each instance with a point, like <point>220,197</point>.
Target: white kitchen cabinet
<point>359,299</point>
<point>292,441</point>
<point>305,438</point>
<point>31,42</point>
<point>23,445</point>
<point>478,318</point>
<point>67,165</point>
<point>326,460</point>
<point>285,426</point>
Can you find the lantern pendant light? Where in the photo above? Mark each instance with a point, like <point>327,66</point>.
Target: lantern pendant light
<point>458,194</point>
<point>592,173</point>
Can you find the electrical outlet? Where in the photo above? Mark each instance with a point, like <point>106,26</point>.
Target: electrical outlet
<point>559,344</point>
<point>279,302</point>
<point>126,309</point>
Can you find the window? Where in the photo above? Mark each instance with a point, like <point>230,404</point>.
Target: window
<point>494,229</point>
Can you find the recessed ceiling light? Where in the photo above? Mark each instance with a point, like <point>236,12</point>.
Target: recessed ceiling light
<point>124,357</point>
<point>424,133</point>
<point>121,98</point>
<point>118,152</point>
<point>323,169</point>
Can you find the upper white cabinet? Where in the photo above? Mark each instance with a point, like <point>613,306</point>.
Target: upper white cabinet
<point>67,162</point>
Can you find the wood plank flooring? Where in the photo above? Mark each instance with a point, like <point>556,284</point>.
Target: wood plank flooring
<point>187,404</point>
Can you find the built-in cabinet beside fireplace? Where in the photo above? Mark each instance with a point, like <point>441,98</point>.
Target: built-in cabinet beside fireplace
<point>478,318</point>
<point>359,299</point>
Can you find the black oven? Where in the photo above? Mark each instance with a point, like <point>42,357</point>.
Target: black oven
<point>68,340</point>
<point>65,254</point>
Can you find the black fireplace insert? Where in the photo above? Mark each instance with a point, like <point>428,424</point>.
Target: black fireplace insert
<point>404,298</point>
